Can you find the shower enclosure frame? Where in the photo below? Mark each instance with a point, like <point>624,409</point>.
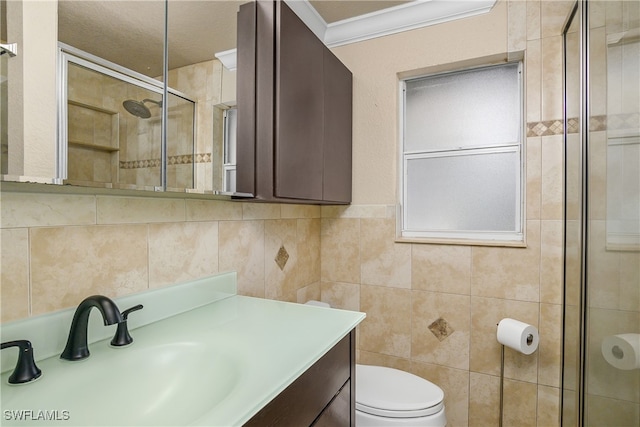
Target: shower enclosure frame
<point>579,11</point>
<point>69,54</point>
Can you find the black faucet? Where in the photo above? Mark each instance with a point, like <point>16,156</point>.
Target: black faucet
<point>26,369</point>
<point>77,347</point>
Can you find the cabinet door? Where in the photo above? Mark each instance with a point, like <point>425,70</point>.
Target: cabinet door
<point>294,111</point>
<point>337,130</point>
<point>246,99</point>
<point>299,109</point>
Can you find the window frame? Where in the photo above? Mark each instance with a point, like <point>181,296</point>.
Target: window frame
<point>229,161</point>
<point>467,237</point>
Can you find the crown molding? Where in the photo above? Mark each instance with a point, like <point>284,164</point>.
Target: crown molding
<point>309,16</point>
<point>228,59</point>
<point>408,16</point>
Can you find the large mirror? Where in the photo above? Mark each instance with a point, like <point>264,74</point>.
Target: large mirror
<point>114,119</point>
<point>110,93</point>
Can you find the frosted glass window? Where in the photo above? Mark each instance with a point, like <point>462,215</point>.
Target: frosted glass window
<point>229,149</point>
<point>462,164</point>
<point>465,193</point>
<point>230,129</point>
<point>465,109</point>
<point>230,179</point>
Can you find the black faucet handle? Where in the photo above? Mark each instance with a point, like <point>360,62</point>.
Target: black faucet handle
<point>26,369</point>
<point>122,336</point>
<point>125,313</point>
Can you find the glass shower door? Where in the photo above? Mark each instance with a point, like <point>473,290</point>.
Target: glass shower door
<point>612,387</point>
<point>601,379</point>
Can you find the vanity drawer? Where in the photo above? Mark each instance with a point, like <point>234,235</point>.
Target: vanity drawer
<point>306,398</point>
<point>337,413</point>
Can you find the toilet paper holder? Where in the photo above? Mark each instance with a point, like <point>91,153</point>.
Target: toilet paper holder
<point>530,338</point>
<point>531,342</point>
<point>617,352</point>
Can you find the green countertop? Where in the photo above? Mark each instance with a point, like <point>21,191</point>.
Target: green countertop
<point>216,364</point>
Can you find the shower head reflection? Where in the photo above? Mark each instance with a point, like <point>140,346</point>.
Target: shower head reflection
<point>138,109</point>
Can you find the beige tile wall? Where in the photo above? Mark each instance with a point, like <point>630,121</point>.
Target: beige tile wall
<point>471,288</point>
<point>57,249</point>
<point>407,288</point>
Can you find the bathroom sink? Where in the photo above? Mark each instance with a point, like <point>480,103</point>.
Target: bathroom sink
<point>201,356</point>
<point>160,384</point>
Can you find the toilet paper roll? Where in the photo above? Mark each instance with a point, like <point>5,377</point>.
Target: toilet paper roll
<point>517,335</point>
<point>622,351</point>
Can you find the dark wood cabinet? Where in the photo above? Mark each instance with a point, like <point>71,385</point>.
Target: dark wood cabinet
<point>294,110</point>
<point>324,395</point>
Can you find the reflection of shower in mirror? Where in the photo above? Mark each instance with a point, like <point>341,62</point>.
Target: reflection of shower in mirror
<point>138,109</point>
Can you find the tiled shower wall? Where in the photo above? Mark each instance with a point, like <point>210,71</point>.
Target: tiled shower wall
<point>57,249</point>
<point>202,82</point>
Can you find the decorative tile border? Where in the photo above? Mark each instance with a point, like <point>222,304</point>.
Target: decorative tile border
<point>541,128</point>
<point>185,159</point>
<point>596,124</point>
<point>545,128</point>
<point>140,164</point>
<point>573,124</point>
<point>204,158</point>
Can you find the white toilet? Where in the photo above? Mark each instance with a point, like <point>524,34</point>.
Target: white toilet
<point>387,397</point>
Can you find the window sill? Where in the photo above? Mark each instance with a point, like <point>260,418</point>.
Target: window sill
<point>462,242</point>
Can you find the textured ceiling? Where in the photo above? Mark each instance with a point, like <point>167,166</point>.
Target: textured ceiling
<point>130,33</point>
<point>338,10</point>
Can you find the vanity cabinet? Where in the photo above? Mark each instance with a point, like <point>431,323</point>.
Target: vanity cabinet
<point>294,110</point>
<point>324,395</point>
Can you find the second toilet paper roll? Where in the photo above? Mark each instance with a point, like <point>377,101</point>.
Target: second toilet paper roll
<point>622,351</point>
<point>517,335</point>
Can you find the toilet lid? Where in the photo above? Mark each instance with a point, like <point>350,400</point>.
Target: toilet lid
<point>393,393</point>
